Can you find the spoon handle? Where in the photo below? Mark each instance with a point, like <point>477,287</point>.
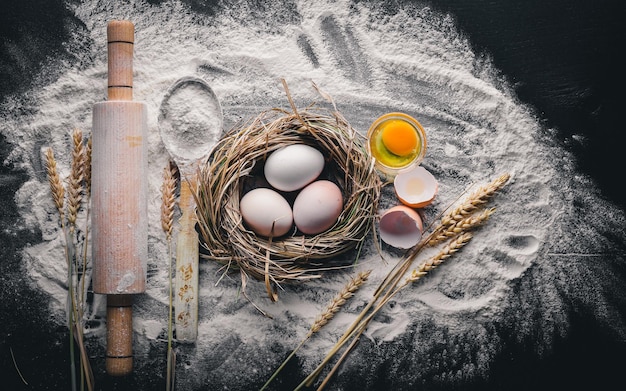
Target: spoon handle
<point>187,252</point>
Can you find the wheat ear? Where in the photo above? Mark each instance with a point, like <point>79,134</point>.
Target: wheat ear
<point>339,300</point>
<point>87,167</point>
<point>56,186</point>
<point>461,226</point>
<point>168,200</point>
<point>476,200</point>
<point>75,181</point>
<point>472,203</point>
<point>445,253</point>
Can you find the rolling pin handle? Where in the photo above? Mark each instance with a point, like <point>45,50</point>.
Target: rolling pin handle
<point>119,352</point>
<point>120,44</point>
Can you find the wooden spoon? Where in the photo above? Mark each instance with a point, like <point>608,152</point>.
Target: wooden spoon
<point>190,123</point>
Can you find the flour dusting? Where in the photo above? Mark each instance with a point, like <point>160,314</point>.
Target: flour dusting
<point>520,269</point>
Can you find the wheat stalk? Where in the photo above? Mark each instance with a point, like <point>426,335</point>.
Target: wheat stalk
<point>460,215</point>
<point>87,189</point>
<point>58,195</point>
<point>74,198</point>
<point>322,319</point>
<point>451,222</point>
<point>86,181</point>
<point>355,331</point>
<point>168,202</point>
<point>81,157</point>
<point>390,286</point>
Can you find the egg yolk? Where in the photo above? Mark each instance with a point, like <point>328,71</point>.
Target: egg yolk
<point>399,137</point>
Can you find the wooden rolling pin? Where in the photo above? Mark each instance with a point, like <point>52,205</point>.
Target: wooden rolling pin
<point>119,197</point>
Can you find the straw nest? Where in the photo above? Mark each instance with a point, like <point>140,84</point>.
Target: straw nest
<point>239,157</point>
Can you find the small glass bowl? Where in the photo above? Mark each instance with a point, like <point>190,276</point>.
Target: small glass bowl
<point>386,161</point>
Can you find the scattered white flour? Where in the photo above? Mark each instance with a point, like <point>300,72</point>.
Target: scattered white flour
<point>371,62</point>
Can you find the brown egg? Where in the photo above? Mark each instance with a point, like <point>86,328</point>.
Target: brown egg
<point>317,207</point>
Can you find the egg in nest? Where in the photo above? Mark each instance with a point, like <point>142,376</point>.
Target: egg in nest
<point>291,172</point>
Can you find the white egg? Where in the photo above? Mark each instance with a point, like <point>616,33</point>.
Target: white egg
<point>416,187</point>
<point>293,167</point>
<point>401,227</point>
<point>266,212</point>
<point>317,207</point>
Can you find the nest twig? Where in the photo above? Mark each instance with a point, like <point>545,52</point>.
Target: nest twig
<point>240,155</point>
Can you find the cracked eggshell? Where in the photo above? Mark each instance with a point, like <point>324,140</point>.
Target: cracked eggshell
<point>416,188</point>
<point>401,227</point>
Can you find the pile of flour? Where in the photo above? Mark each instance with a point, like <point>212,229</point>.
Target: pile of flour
<point>371,61</point>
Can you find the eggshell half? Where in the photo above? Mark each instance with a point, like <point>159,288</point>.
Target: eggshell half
<point>416,187</point>
<point>401,227</point>
<point>317,207</point>
<point>266,212</point>
<point>292,167</point>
